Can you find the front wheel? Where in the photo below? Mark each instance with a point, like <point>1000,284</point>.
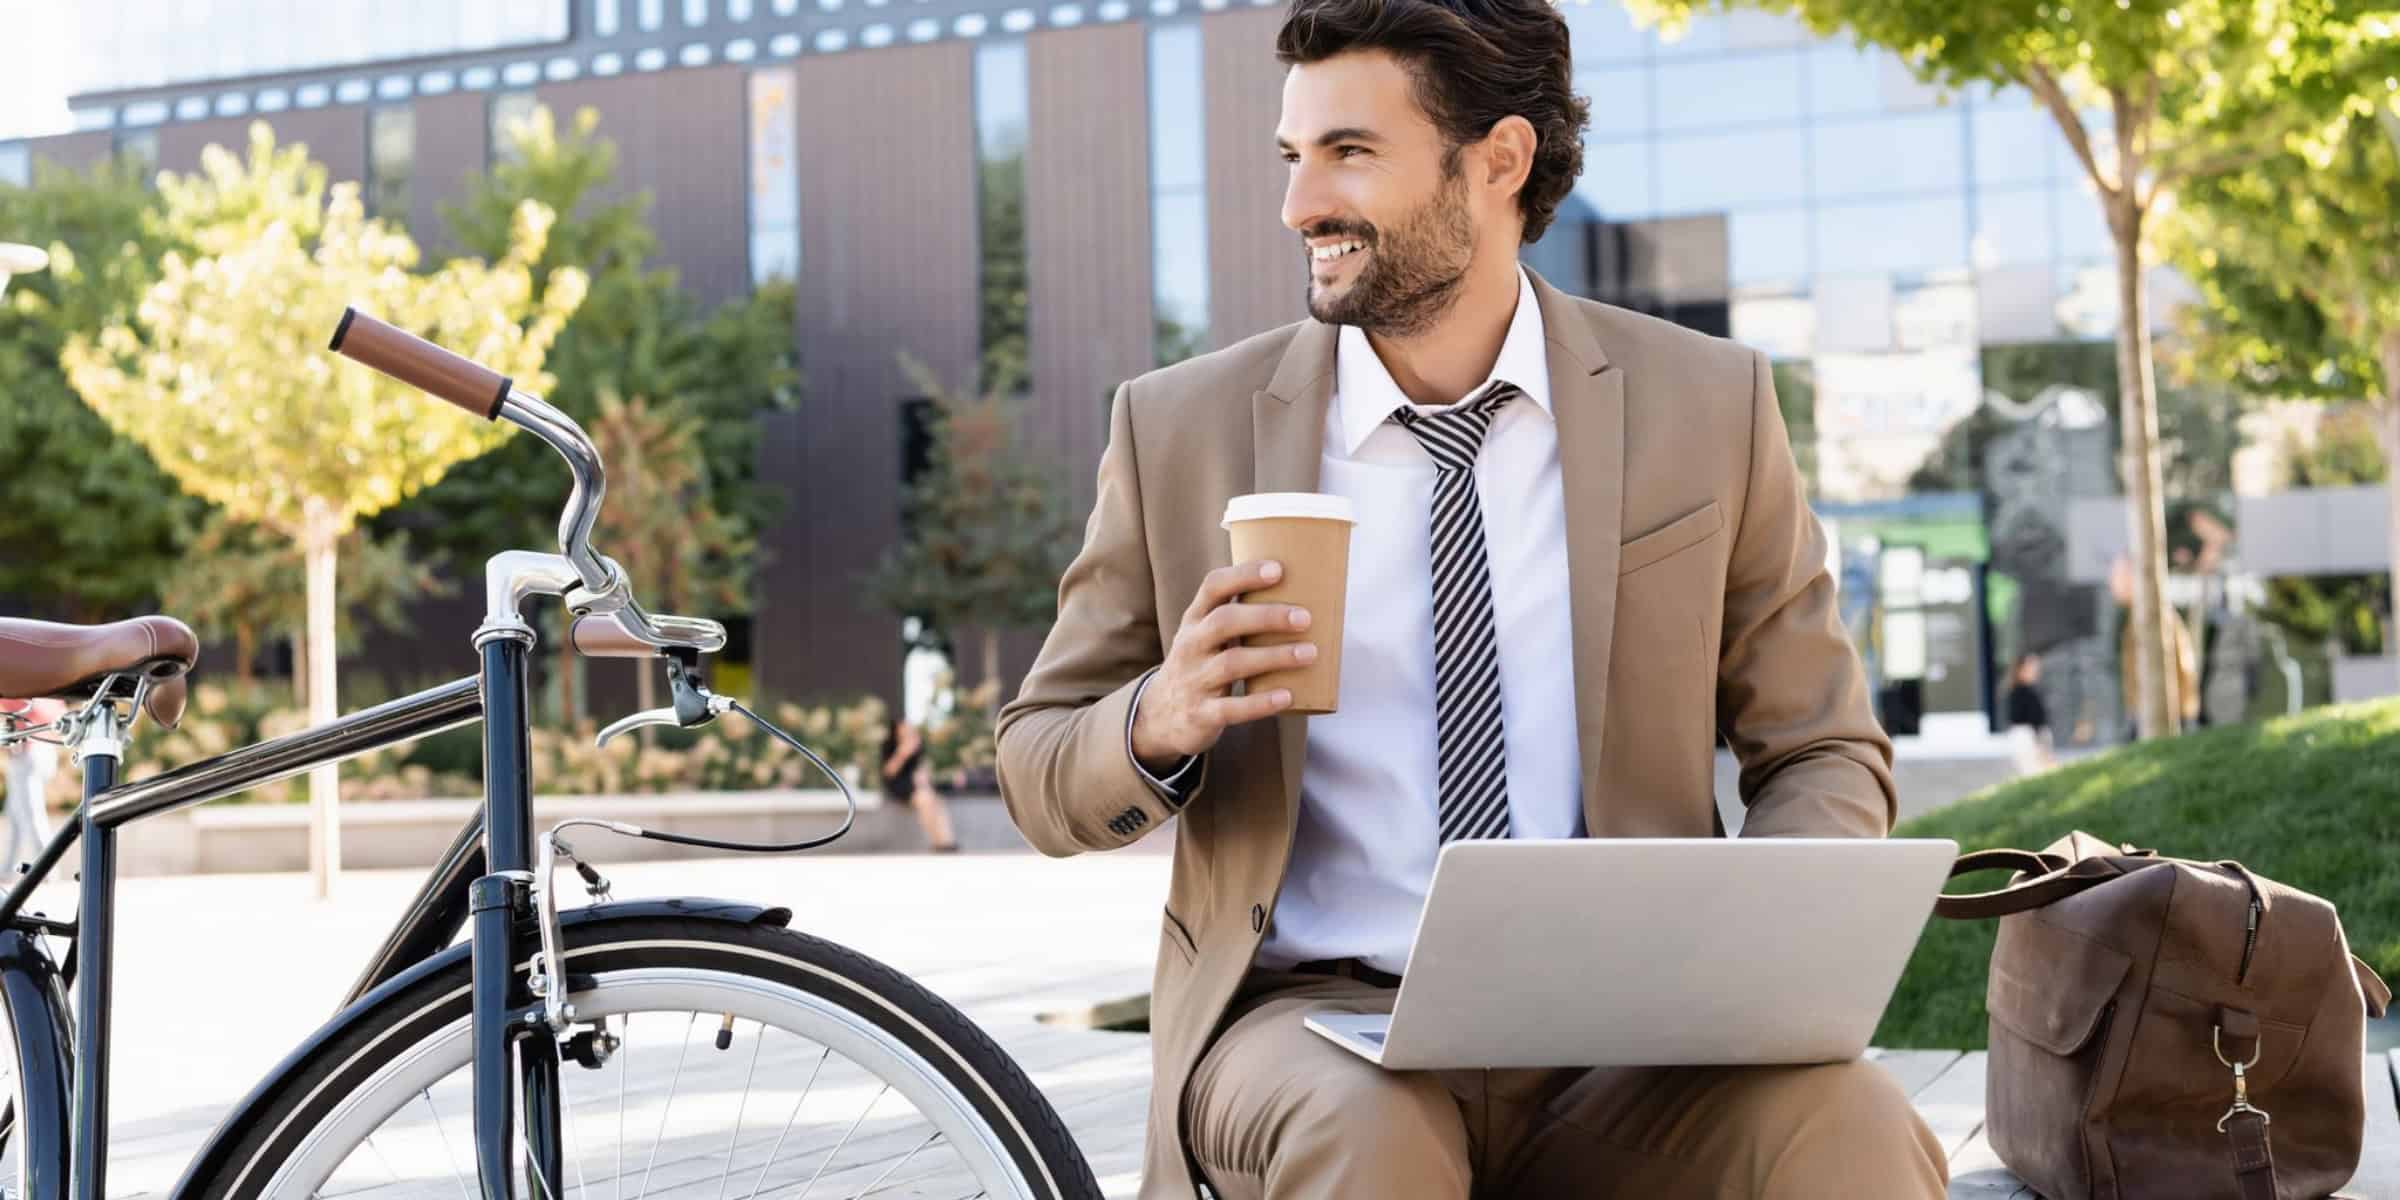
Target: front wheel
<point>707,1059</point>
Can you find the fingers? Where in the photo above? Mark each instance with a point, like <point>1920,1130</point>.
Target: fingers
<point>1226,583</point>
<point>1233,622</point>
<point>1242,663</point>
<point>1240,710</point>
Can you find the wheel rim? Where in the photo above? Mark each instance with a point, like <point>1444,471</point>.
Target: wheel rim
<point>877,1114</point>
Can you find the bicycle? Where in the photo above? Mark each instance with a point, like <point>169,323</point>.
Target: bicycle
<point>512,1038</point>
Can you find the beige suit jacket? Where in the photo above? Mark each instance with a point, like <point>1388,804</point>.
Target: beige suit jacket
<point>1699,596</point>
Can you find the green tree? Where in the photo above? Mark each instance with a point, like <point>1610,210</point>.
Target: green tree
<point>221,372</point>
<point>2184,90</point>
<point>986,531</point>
<point>88,523</point>
<point>1006,304</point>
<point>2297,258</point>
<point>243,584</point>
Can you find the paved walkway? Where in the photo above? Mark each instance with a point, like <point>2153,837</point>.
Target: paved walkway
<point>204,1010</point>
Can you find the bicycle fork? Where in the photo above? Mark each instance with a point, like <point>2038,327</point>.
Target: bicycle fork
<point>516,1053</point>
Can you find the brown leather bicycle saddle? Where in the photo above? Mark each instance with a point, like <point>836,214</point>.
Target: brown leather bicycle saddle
<point>44,659</point>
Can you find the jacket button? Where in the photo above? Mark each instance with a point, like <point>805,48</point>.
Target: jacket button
<point>1258,918</point>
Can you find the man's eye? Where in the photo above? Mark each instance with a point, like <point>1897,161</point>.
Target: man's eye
<point>1347,151</point>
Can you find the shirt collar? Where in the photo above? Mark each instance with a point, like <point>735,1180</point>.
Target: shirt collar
<point>1367,395</point>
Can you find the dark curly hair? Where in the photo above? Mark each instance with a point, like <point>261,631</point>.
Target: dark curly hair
<point>1474,62</point>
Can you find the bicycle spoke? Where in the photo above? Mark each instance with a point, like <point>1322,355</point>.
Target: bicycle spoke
<point>621,1077</point>
<point>668,1108</point>
<point>388,1169</point>
<point>741,1110</point>
<point>534,1161</point>
<point>836,1152</point>
<point>566,1109</point>
<point>449,1155</point>
<point>777,1152</point>
<point>887,1171</point>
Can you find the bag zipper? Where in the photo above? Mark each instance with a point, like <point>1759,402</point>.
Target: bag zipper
<point>2249,941</point>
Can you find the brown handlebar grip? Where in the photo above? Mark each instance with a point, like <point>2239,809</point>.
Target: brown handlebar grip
<point>606,637</point>
<point>420,364</point>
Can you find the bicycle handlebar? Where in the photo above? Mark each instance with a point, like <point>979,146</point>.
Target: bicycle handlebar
<point>420,364</point>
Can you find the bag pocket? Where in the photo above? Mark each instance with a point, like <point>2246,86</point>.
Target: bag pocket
<point>2052,998</point>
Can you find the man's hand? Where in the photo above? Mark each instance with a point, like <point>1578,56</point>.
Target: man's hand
<point>1189,703</point>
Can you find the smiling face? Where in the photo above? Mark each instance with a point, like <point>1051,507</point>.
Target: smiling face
<point>1387,219</point>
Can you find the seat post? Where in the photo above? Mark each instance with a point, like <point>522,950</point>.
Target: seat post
<point>99,744</point>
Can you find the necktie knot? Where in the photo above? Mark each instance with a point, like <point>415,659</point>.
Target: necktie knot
<point>1454,436</point>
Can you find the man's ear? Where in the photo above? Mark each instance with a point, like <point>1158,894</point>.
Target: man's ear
<point>1507,158</point>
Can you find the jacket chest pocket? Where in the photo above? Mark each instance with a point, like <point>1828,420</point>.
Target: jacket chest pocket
<point>1662,662</point>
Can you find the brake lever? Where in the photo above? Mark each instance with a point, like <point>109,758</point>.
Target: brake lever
<point>694,705</point>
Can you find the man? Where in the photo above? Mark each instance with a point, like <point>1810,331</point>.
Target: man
<point>1644,573</point>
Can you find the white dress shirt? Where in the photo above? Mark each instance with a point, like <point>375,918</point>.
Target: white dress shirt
<point>1363,857</point>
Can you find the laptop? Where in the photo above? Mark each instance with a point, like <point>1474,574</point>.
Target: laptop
<point>1653,952</point>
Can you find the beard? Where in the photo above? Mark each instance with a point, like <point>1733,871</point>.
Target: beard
<point>1413,274</point>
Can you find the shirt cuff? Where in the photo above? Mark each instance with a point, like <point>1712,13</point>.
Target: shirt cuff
<point>1178,784</point>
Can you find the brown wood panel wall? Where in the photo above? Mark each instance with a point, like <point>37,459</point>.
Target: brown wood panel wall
<point>888,263</point>
<point>74,151</point>
<point>682,136</point>
<point>336,137</point>
<point>1087,232</point>
<point>1257,277</point>
<point>453,136</point>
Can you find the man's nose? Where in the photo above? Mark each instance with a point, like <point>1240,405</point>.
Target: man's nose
<point>1305,199</point>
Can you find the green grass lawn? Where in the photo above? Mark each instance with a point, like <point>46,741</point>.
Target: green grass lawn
<point>2311,801</point>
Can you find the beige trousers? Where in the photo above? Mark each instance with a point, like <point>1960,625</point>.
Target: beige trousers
<point>1275,1112</point>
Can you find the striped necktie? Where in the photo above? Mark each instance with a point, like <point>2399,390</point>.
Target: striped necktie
<point>1471,751</point>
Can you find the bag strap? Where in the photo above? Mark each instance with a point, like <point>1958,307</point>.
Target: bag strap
<point>2053,879</point>
<point>2253,1161</point>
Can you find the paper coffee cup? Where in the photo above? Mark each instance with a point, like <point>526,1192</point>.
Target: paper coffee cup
<point>1309,534</point>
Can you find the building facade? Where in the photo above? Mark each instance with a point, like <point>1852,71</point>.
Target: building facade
<point>1083,191</point>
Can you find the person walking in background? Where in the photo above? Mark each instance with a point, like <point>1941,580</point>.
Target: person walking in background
<point>30,765</point>
<point>2025,708</point>
<point>908,779</point>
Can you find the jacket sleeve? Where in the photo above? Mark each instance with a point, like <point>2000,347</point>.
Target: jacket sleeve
<point>1791,692</point>
<point>1066,766</point>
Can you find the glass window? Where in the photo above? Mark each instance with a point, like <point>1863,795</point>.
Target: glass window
<point>476,79</point>
<point>1724,171</point>
<point>559,70</point>
<point>139,146</point>
<point>832,40</point>
<point>1112,10</point>
<point>353,91</point>
<point>509,110</point>
<point>1748,90</point>
<point>1000,130</point>
<point>2013,304</point>
<point>1844,79</point>
<point>391,160</point>
<point>1616,180</point>
<point>436,83</point>
<point>1769,247</point>
<point>741,50</point>
<point>393,87</point>
<point>971,25</point>
<point>2082,226</point>
<point>1179,270</point>
<point>310,95</point>
<point>604,17</point>
<point>695,12</point>
<point>1749,29</point>
<point>774,254</point>
<point>830,5</point>
<point>875,36</point>
<point>1901,88</point>
<point>1888,155</point>
<point>1067,16</point>
<point>785,8</point>
<point>2099,129</point>
<point>16,165</point>
<point>737,10</point>
<point>1162,8</point>
<point>1899,235</point>
<point>88,120</point>
<point>151,112</point>
<point>608,64</point>
<point>694,55</point>
<point>774,176</point>
<point>2012,145</point>
<point>232,104</point>
<point>274,100</point>
<point>1620,98</point>
<point>650,60</point>
<point>1017,20</point>
<point>1178,149</point>
<point>924,29</point>
<point>191,108</point>
<point>1600,32</point>
<point>653,14</point>
<point>520,74</point>
<point>2012,226</point>
<point>784,45</point>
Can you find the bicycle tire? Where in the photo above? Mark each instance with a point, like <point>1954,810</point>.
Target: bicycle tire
<point>1011,1109</point>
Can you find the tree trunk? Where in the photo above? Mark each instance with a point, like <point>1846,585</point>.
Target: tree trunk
<point>300,656</point>
<point>245,649</point>
<point>2157,705</point>
<point>645,684</point>
<point>324,783</point>
<point>2390,425</point>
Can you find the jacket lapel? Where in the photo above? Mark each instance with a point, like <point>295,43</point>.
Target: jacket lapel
<point>1288,429</point>
<point>1587,395</point>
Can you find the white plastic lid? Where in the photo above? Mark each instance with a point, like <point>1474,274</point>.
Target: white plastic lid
<point>1262,506</point>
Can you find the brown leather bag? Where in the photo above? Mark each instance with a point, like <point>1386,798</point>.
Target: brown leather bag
<point>2169,1029</point>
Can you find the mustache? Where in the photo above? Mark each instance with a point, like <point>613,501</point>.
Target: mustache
<point>1364,233</point>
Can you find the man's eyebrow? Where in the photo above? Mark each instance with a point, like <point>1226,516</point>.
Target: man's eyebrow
<point>1349,133</point>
